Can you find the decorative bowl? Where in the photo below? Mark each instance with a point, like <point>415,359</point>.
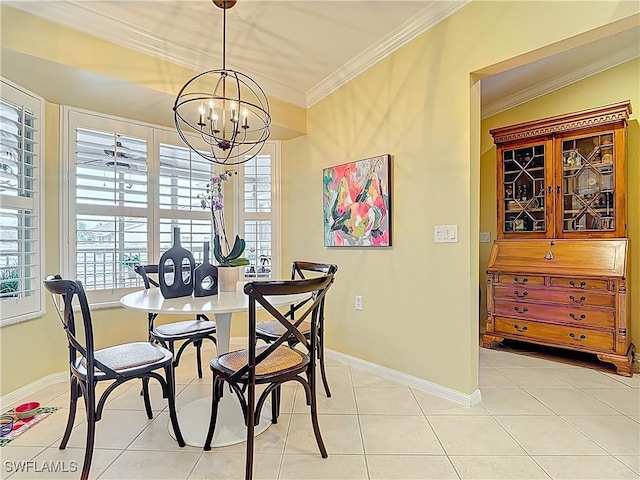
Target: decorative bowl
<point>6,425</point>
<point>27,410</point>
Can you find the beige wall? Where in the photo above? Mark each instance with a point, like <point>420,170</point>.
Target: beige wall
<point>420,299</point>
<point>612,86</point>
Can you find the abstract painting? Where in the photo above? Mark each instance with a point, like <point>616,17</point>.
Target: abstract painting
<point>356,203</point>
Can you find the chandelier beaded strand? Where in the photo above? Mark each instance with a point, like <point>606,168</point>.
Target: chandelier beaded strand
<point>233,120</point>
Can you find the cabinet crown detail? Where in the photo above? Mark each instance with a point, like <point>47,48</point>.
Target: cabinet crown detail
<point>618,112</point>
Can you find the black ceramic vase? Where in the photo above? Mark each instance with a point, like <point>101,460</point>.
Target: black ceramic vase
<point>176,264</point>
<point>205,281</point>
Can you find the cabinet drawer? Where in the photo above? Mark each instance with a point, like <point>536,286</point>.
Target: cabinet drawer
<point>580,283</point>
<point>566,335</point>
<point>555,313</point>
<point>524,280</point>
<point>569,297</point>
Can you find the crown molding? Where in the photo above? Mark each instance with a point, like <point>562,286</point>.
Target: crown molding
<point>551,85</point>
<point>412,28</point>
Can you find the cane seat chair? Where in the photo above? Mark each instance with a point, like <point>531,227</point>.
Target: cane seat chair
<point>270,330</point>
<point>117,364</point>
<point>190,331</point>
<point>272,364</point>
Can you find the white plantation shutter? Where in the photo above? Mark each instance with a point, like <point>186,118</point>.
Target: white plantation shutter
<point>183,176</point>
<point>259,208</point>
<point>129,185</point>
<point>106,204</point>
<point>21,216</point>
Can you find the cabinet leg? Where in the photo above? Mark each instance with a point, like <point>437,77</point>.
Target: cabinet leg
<point>487,339</point>
<point>623,363</point>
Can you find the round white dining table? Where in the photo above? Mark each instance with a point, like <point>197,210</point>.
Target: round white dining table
<point>194,417</point>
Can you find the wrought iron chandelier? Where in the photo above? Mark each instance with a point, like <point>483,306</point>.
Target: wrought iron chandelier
<point>227,109</point>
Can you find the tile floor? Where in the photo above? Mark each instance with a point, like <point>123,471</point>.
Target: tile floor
<point>542,416</point>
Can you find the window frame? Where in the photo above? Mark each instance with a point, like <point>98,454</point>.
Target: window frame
<point>272,148</point>
<point>156,135</point>
<point>21,309</point>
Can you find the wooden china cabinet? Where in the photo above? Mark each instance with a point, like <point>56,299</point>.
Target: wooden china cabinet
<point>557,274</point>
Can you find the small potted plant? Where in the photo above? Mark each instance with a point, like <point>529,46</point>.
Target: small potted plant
<point>129,262</point>
<point>9,282</point>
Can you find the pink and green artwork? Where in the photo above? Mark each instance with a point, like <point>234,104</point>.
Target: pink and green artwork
<point>356,203</point>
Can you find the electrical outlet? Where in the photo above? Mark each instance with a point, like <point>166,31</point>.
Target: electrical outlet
<point>485,237</point>
<point>358,302</point>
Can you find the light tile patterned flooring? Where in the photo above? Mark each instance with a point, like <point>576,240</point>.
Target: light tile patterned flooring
<point>541,417</point>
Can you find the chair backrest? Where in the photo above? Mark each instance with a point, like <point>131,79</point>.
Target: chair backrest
<point>259,293</point>
<point>68,290</point>
<point>298,270</point>
<point>144,271</point>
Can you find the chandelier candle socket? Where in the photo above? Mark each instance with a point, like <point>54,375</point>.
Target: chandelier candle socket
<point>232,118</point>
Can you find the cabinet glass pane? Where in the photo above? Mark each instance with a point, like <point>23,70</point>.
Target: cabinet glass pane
<point>588,183</point>
<point>524,189</point>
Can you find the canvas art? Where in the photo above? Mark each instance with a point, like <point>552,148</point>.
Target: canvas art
<point>356,203</point>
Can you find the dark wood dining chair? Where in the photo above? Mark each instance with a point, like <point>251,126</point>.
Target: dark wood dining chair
<point>117,364</point>
<point>271,330</point>
<point>272,364</point>
<point>192,332</point>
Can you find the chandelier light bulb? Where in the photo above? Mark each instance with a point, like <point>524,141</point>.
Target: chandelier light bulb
<point>201,116</point>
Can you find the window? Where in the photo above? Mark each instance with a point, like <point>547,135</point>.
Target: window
<point>129,185</point>
<point>21,211</point>
<point>258,213</point>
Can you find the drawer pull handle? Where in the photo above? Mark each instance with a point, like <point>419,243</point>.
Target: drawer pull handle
<point>517,294</point>
<point>577,339</point>
<point>573,284</point>
<point>520,282</point>
<point>572,298</point>
<point>520,329</point>
<point>524,310</point>
<point>577,319</point>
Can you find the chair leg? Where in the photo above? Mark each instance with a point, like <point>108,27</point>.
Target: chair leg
<point>322,372</point>
<point>251,418</point>
<point>74,393</point>
<point>147,399</point>
<point>321,360</point>
<point>314,415</point>
<point>215,398</point>
<point>90,401</point>
<point>275,404</point>
<point>198,345</point>
<point>171,393</point>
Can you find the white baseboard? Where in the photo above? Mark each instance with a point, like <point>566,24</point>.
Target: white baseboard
<point>394,375</point>
<point>409,380</point>
<point>14,397</point>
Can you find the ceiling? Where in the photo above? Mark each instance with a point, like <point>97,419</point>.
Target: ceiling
<point>302,50</point>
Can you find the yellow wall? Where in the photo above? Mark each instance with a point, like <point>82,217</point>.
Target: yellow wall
<point>420,299</point>
<point>614,85</point>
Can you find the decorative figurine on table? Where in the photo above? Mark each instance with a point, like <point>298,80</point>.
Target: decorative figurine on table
<point>205,276</point>
<point>176,264</point>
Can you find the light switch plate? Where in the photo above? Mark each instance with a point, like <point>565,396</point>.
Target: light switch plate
<point>485,237</point>
<point>445,234</point>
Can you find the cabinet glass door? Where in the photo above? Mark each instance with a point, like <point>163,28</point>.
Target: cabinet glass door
<point>588,186</point>
<point>524,189</point>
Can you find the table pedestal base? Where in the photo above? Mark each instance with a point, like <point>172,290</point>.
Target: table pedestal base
<point>230,428</point>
